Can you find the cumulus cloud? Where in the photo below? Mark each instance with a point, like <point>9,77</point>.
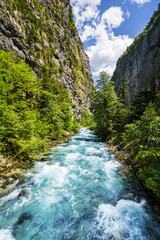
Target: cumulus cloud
<point>107,47</point>
<point>113,16</point>
<point>141,1</point>
<point>87,33</point>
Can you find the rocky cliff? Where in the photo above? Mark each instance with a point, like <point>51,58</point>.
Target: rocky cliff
<point>43,34</point>
<point>140,64</point>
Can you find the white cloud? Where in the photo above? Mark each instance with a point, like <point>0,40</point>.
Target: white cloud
<point>107,47</point>
<point>141,1</point>
<point>82,3</point>
<point>85,10</point>
<point>113,16</point>
<point>87,33</point>
<point>128,14</point>
<point>107,69</point>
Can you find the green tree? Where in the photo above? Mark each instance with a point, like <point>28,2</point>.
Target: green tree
<point>103,80</point>
<point>86,119</point>
<point>121,118</point>
<point>139,104</point>
<point>123,91</point>
<point>104,106</point>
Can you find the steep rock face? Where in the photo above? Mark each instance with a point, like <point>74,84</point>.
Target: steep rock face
<point>140,64</point>
<point>43,34</point>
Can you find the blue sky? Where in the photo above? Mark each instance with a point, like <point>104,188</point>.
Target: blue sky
<point>107,27</point>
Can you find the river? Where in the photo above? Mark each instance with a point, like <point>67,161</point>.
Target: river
<point>79,194</point>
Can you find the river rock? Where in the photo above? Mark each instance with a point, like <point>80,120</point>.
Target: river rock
<point>23,217</point>
<point>23,193</point>
<point>43,158</point>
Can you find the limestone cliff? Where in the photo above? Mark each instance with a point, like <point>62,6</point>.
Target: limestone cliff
<point>43,34</point>
<point>140,64</point>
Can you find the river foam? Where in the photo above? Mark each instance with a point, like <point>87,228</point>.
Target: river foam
<point>127,220</point>
<point>55,173</point>
<point>5,234</point>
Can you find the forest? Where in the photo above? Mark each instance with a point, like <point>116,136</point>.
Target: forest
<point>132,126</point>
<point>33,111</point>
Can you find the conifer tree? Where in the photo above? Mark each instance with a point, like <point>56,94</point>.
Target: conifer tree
<point>123,92</point>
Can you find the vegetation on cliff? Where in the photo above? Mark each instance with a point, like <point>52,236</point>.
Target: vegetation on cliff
<point>141,60</point>
<point>134,127</point>
<point>43,34</point>
<point>155,19</point>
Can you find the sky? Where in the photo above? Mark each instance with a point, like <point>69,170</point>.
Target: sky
<point>108,27</point>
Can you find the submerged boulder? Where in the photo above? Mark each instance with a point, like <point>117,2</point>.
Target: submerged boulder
<point>23,193</point>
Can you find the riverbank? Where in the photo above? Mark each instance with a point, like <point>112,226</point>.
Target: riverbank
<point>132,170</point>
<point>12,172</point>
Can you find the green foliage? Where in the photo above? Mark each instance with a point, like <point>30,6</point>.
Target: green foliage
<point>86,119</point>
<point>151,179</point>
<point>136,127</point>
<point>122,114</point>
<point>139,104</point>
<point>19,90</point>
<point>123,91</point>
<point>110,113</point>
<point>71,21</point>
<point>103,80</point>
<point>32,37</point>
<point>104,106</point>
<point>143,135</point>
<point>32,111</point>
<point>142,139</point>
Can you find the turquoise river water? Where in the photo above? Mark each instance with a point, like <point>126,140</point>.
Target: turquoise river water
<point>79,194</point>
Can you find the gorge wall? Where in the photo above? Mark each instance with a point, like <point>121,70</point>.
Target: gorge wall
<point>140,64</point>
<point>43,34</point>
